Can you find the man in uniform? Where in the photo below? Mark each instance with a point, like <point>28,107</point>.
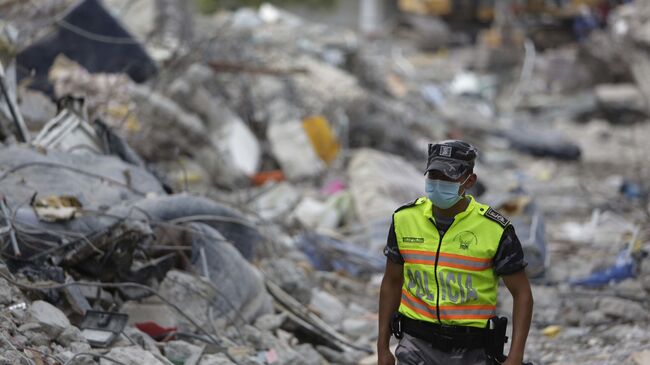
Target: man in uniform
<point>445,253</point>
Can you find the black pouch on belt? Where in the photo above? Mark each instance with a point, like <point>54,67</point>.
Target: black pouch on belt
<point>497,338</point>
<point>396,326</point>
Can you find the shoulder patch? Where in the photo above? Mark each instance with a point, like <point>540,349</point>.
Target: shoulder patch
<point>408,205</point>
<point>497,217</point>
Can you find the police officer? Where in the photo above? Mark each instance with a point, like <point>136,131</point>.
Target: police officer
<point>445,254</point>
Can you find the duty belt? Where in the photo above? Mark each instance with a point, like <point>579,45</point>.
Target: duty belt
<point>443,337</point>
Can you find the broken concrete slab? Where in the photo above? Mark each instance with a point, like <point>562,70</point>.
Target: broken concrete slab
<point>290,277</point>
<point>270,322</point>
<point>195,292</point>
<point>309,352</point>
<point>70,335</point>
<point>188,130</point>
<point>358,327</point>
<point>621,103</point>
<point>35,334</point>
<point>346,358</point>
<point>131,355</point>
<point>159,313</point>
<point>144,341</point>
<point>622,308</point>
<point>181,352</point>
<point>9,294</point>
<point>328,307</point>
<point>50,319</point>
<point>36,108</point>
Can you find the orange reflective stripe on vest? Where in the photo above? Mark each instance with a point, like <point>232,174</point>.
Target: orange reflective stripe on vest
<point>448,312</point>
<point>446,259</point>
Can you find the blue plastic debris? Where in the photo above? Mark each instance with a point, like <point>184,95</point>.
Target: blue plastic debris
<point>329,254</point>
<point>625,267</point>
<point>632,190</point>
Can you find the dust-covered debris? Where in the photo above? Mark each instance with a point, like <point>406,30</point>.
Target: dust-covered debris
<point>228,180</point>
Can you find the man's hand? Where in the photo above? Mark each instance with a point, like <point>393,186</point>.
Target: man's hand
<point>390,295</point>
<point>511,361</point>
<point>522,311</point>
<point>386,358</point>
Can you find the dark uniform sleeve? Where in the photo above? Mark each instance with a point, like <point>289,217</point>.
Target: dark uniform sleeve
<point>391,251</point>
<point>509,258</point>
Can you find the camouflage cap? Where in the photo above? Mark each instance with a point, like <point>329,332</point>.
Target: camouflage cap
<point>454,158</point>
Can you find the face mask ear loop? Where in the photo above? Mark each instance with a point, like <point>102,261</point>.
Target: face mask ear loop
<point>463,183</point>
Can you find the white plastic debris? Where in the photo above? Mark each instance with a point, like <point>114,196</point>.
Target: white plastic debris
<point>381,182</point>
<point>277,201</point>
<point>269,13</point>
<point>293,149</point>
<point>465,83</point>
<point>315,214</point>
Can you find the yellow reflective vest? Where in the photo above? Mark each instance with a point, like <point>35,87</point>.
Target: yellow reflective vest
<point>450,279</point>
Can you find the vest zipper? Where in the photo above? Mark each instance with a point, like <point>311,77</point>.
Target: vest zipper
<point>435,270</point>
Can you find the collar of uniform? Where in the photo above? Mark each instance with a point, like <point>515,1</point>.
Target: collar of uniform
<point>427,208</point>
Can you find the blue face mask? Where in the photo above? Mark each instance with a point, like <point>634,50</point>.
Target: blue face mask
<point>443,194</point>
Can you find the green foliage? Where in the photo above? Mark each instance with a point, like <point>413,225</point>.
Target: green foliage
<point>210,6</point>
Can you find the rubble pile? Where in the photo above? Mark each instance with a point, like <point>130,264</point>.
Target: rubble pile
<point>224,197</point>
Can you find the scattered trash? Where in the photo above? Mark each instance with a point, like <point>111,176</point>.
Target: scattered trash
<point>101,328</point>
<point>69,131</point>
<point>315,215</point>
<point>277,202</point>
<point>17,307</point>
<point>322,138</point>
<point>293,149</point>
<point>552,331</point>
<point>329,254</point>
<point>264,177</point>
<point>57,208</point>
<point>602,229</point>
<point>465,84</point>
<point>625,266</point>
<point>333,187</point>
<point>632,190</point>
<point>156,332</point>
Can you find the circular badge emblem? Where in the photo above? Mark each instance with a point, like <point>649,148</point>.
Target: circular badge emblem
<point>466,239</point>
